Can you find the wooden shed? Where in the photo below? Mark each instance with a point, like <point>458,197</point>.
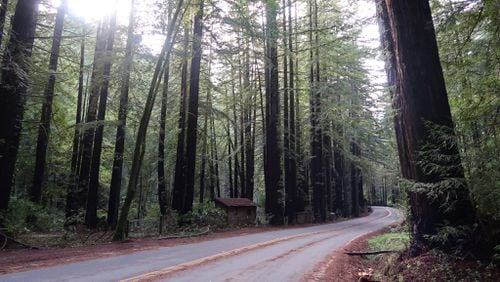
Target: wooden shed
<point>239,211</point>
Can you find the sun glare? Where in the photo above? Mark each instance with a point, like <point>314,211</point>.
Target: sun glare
<point>94,10</point>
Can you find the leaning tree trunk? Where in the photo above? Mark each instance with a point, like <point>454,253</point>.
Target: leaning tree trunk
<point>13,91</point>
<point>116,176</point>
<point>140,146</point>
<point>45,119</point>
<point>422,104</point>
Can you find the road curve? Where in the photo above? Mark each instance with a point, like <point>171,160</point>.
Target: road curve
<point>284,255</point>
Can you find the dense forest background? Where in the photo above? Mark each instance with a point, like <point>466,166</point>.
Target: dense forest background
<point>151,112</point>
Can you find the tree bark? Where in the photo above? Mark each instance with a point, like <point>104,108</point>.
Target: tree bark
<point>289,208</point>
<point>355,178</point>
<point>273,184</point>
<point>46,117</point>
<point>204,152</point>
<point>316,165</point>
<point>237,191</point>
<point>180,169</point>
<point>162,181</point>
<point>248,124</point>
<point>71,201</point>
<point>292,154</point>
<point>116,176</point>
<point>202,185</point>
<point>421,102</point>
<point>86,145</point>
<point>93,189</point>
<point>13,91</point>
<point>192,118</point>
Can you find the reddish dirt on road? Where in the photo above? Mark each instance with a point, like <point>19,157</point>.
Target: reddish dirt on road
<point>341,267</point>
<point>29,259</point>
<point>17,260</point>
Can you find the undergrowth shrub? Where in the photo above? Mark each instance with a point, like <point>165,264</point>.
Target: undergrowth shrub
<point>24,216</point>
<point>207,214</point>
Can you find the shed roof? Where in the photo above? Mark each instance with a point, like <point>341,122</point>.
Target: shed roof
<point>235,202</point>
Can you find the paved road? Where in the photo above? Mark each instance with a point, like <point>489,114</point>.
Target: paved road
<point>285,255</point>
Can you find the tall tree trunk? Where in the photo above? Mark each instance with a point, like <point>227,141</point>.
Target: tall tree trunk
<point>338,162</point>
<point>208,114</point>
<point>214,159</point>
<point>236,191</point>
<point>180,162</point>
<point>292,154</point>
<point>162,182</point>
<point>289,212</point>
<point>302,188</point>
<point>242,109</point>
<point>327,164</point>
<point>316,166</point>
<point>230,157</point>
<point>421,107</point>
<point>143,125</point>
<point>263,115</point>
<point>46,117</point>
<point>83,178</point>
<point>13,91</point>
<point>247,125</point>
<point>71,202</point>
<point>192,118</point>
<point>273,184</point>
<point>204,159</point>
<point>355,177</point>
<point>93,189</point>
<point>347,168</point>
<point>116,176</point>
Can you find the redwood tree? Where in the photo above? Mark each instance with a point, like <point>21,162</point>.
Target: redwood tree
<point>45,119</point>
<point>272,148</point>
<point>421,102</point>
<point>13,90</point>
<point>116,177</point>
<point>192,112</point>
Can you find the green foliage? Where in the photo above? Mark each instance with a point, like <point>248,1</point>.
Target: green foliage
<point>207,214</point>
<point>24,216</point>
<point>448,233</point>
<point>468,39</point>
<point>397,241</point>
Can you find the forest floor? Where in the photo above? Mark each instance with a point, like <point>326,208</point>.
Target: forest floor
<point>430,266</point>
